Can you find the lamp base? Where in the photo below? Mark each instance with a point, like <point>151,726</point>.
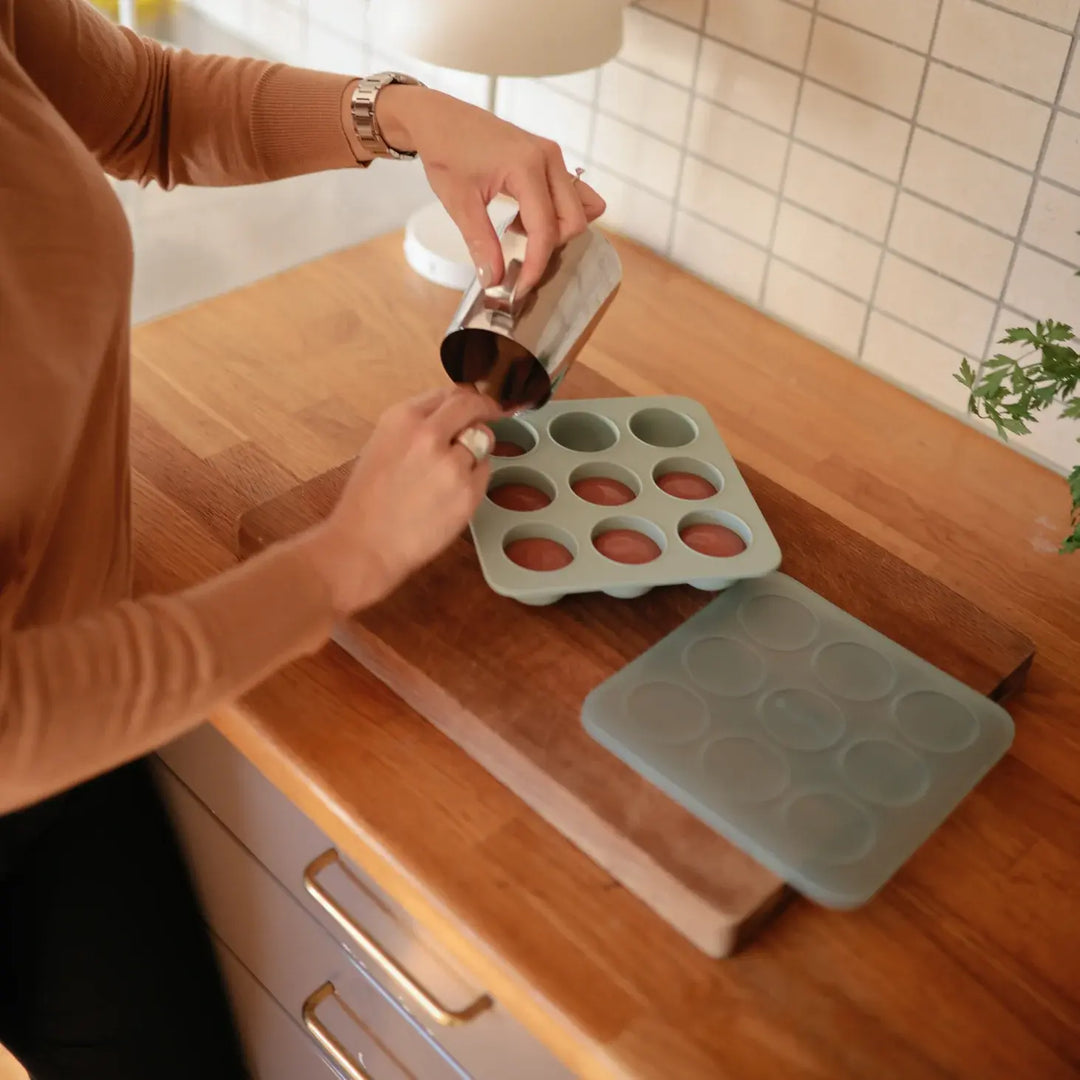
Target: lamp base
<point>435,249</point>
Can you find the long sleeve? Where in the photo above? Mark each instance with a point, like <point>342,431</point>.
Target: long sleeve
<point>147,112</point>
<point>89,678</point>
<point>81,697</point>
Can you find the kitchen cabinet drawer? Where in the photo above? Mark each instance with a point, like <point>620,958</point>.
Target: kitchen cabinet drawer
<point>478,1033</point>
<point>294,958</point>
<point>276,1048</point>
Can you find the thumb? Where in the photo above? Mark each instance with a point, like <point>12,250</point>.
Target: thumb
<point>470,215</point>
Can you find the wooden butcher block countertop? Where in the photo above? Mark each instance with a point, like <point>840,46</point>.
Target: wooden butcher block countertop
<point>965,965</point>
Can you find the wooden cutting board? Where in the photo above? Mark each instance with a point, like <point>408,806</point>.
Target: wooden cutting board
<point>506,682</point>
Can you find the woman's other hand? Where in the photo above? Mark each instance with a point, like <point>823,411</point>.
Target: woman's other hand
<point>471,156</point>
<point>411,493</point>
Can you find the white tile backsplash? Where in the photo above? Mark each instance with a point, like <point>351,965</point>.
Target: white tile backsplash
<point>579,84</point>
<point>345,17</point>
<point>540,109</point>
<point>1062,13</point>
<point>865,66</point>
<point>738,144</point>
<point>834,254</point>
<point>1053,222</point>
<point>914,361</point>
<point>645,100</point>
<point>1005,48</point>
<point>753,87</point>
<point>231,15</point>
<point>727,200</point>
<point>1062,161</point>
<point>838,191</point>
<point>819,310</point>
<point>949,312</point>
<point>848,129</point>
<point>659,47</point>
<point>631,210</point>
<point>809,157</point>
<point>944,242</point>
<point>277,28</point>
<point>634,153</point>
<point>719,257</point>
<point>1044,286</point>
<point>907,22</point>
<point>966,180</point>
<point>773,29</point>
<point>330,50</point>
<point>689,12</point>
<point>987,117</point>
<point>1070,92</point>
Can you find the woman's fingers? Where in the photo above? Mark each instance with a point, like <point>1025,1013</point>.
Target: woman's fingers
<point>462,410</point>
<point>477,441</point>
<point>423,405</point>
<point>555,207</point>
<point>470,215</point>
<point>591,203</point>
<point>568,206</point>
<point>537,208</point>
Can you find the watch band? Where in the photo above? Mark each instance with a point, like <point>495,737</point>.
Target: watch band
<point>362,107</point>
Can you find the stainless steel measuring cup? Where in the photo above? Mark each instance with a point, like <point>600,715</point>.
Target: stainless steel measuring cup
<point>518,349</point>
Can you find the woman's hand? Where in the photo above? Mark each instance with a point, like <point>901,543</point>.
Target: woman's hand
<point>470,157</point>
<point>411,492</point>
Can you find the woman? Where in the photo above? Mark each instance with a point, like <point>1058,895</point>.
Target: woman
<point>104,970</point>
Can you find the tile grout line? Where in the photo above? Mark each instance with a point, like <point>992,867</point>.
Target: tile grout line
<point>814,276</point>
<point>782,183</point>
<point>872,299</point>
<point>1036,176</point>
<point>928,55</point>
<point>684,149</point>
<point>921,125</point>
<point>1059,184</point>
<point>854,26</point>
<point>1021,15</point>
<point>902,256</point>
<point>919,52</point>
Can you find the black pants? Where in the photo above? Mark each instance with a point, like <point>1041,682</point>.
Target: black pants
<point>106,970</point>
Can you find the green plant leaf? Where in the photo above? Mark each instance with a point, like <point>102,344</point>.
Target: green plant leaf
<point>991,383</point>
<point>1074,487</point>
<point>1015,425</point>
<point>1018,333</point>
<point>1010,393</point>
<point>1057,331</point>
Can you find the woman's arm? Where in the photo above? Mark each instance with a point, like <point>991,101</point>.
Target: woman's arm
<point>151,113</point>
<point>82,697</point>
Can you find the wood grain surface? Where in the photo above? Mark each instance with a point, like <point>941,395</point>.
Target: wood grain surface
<point>964,966</point>
<point>506,683</point>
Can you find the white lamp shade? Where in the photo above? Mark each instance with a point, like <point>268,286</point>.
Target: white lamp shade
<point>501,37</point>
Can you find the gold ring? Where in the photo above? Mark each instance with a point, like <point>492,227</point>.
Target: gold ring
<point>478,441</point>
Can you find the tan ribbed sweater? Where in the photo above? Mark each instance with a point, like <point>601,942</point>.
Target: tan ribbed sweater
<point>90,678</point>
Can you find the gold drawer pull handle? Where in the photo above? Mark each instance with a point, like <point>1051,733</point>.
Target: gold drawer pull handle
<point>374,951</point>
<point>326,1038</point>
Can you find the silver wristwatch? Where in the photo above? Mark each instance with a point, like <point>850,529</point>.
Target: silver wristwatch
<point>363,113</point>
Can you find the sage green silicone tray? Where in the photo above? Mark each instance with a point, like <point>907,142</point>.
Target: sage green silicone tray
<point>817,745</point>
<point>632,440</point>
